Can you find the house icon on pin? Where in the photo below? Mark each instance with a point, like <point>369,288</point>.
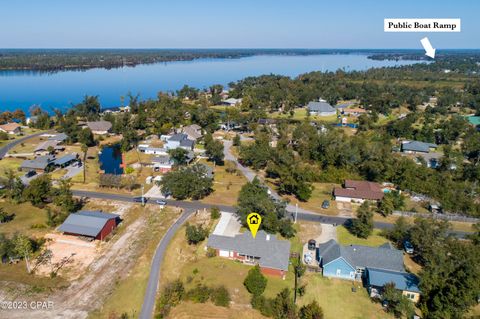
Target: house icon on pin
<point>253,219</point>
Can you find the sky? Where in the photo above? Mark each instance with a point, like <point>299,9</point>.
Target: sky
<point>229,24</point>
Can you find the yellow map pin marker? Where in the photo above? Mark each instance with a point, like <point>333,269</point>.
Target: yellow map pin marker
<point>254,220</point>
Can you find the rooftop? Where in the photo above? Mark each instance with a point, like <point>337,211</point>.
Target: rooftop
<point>273,253</point>
<point>360,189</point>
<point>320,106</point>
<point>9,126</point>
<point>382,257</point>
<point>45,145</point>
<point>65,159</point>
<point>87,223</point>
<point>58,137</point>
<point>99,126</point>
<point>402,280</point>
<point>417,146</point>
<point>40,162</point>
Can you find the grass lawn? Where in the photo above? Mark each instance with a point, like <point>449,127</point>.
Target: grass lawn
<point>226,187</point>
<point>321,192</point>
<point>26,216</point>
<point>346,238</point>
<point>337,300</point>
<point>299,114</point>
<point>92,166</point>
<point>128,293</point>
<point>11,163</point>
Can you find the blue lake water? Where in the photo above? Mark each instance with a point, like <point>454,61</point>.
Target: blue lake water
<point>22,89</point>
<point>110,160</point>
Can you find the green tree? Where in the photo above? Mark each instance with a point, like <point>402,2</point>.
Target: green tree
<point>15,188</point>
<point>255,282</point>
<point>39,190</point>
<point>179,156</point>
<point>398,304</point>
<point>22,246</point>
<point>220,296</point>
<point>85,136</point>
<point>215,212</point>
<point>4,216</point>
<point>195,234</point>
<point>429,236</point>
<point>187,182</point>
<point>64,196</point>
<point>214,150</point>
<point>386,205</point>
<point>362,226</point>
<point>400,231</point>
<point>172,295</point>
<point>283,306</point>
<point>311,311</point>
<point>475,237</point>
<point>236,140</point>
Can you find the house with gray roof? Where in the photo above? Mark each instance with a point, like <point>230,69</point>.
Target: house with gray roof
<point>90,224</point>
<point>162,163</point>
<point>194,131</point>
<point>100,127</point>
<point>270,253</point>
<point>179,140</point>
<point>350,262</point>
<point>66,160</point>
<point>44,147</point>
<point>418,147</point>
<point>321,108</point>
<point>60,137</point>
<point>40,164</point>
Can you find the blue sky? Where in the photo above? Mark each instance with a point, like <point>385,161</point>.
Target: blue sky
<point>228,24</point>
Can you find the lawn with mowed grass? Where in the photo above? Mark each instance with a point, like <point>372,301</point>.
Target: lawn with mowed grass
<point>337,299</point>
<point>346,238</point>
<point>25,217</point>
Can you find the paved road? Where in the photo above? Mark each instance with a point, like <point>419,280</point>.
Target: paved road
<point>194,205</point>
<point>4,150</point>
<point>152,286</point>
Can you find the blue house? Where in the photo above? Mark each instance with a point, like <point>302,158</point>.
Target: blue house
<point>350,262</point>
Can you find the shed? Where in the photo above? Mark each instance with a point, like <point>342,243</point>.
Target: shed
<point>93,224</point>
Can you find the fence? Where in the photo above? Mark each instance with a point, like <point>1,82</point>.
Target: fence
<point>445,216</point>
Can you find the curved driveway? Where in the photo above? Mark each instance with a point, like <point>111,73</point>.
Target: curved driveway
<point>4,150</point>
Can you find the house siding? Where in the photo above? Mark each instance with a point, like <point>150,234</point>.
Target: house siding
<point>339,268</point>
<point>415,295</point>
<point>233,255</point>
<point>107,229</point>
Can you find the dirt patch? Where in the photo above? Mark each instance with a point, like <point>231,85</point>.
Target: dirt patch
<point>89,291</point>
<point>187,310</point>
<point>345,209</point>
<point>70,255</point>
<point>309,230</point>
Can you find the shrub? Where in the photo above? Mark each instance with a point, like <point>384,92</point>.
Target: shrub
<point>199,294</point>
<point>211,252</point>
<point>311,311</point>
<point>215,212</point>
<point>195,234</point>
<point>172,295</point>
<point>221,297</point>
<point>255,282</point>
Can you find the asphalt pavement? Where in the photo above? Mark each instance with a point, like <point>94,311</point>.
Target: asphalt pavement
<point>4,150</point>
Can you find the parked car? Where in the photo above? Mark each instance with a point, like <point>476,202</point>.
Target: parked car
<point>161,202</point>
<point>408,247</point>
<point>312,244</point>
<point>325,204</point>
<point>30,173</point>
<point>139,199</point>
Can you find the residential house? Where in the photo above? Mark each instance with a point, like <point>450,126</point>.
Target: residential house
<point>91,224</point>
<point>66,160</point>
<point>179,140</point>
<point>354,111</point>
<point>232,102</point>
<point>147,149</point>
<point>422,150</point>
<point>11,128</point>
<point>407,283</point>
<point>321,108</point>
<point>44,148</point>
<point>350,262</point>
<point>40,164</point>
<point>193,132</point>
<point>60,138</point>
<point>358,191</point>
<point>270,253</point>
<point>162,163</point>
<point>100,127</point>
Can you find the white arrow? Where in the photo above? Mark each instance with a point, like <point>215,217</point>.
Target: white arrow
<point>429,50</point>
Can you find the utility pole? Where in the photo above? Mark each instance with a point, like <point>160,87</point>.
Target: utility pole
<point>296,212</point>
<point>143,198</point>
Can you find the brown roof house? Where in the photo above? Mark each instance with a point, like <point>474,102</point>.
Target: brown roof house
<point>194,131</point>
<point>10,128</point>
<point>100,127</point>
<point>358,191</point>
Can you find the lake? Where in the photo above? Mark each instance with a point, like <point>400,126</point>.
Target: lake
<point>110,160</point>
<point>22,89</point>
